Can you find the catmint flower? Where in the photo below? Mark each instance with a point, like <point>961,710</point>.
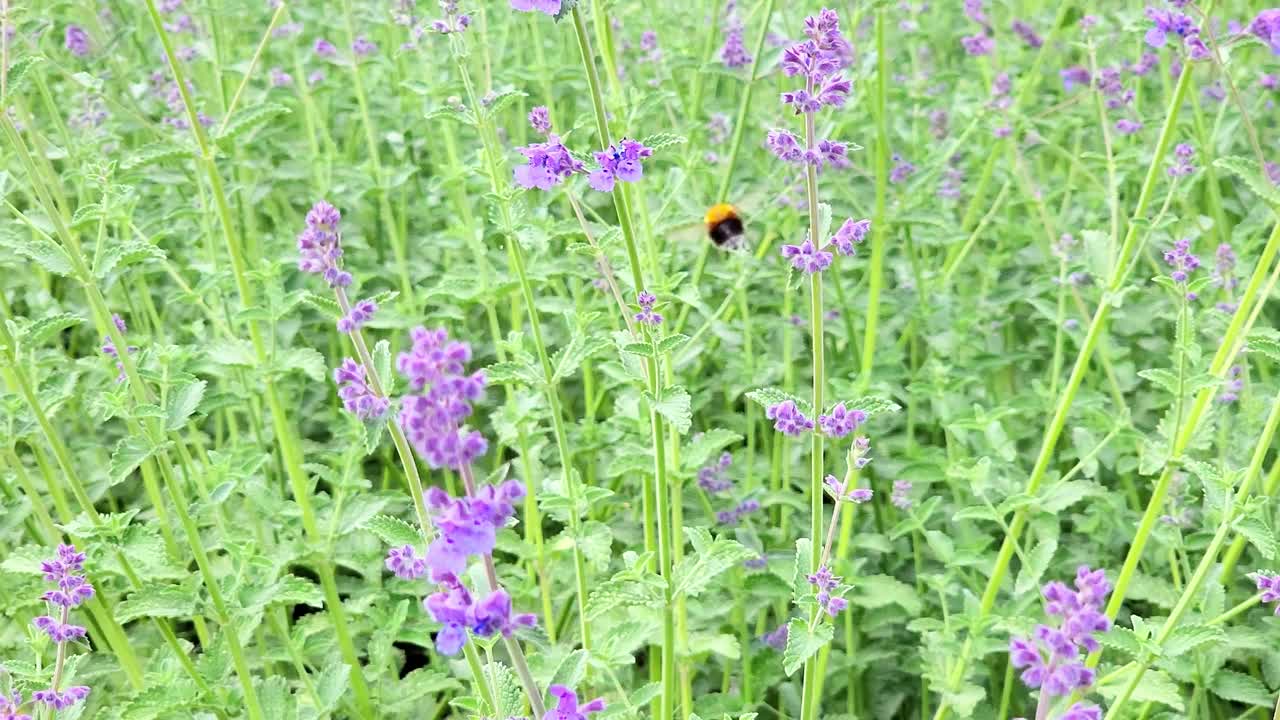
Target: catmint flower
<point>493,615</point>
<point>1125,126</point>
<point>567,707</point>
<point>1073,76</point>
<point>65,571</point>
<point>1182,161</point>
<point>109,348</point>
<point>1224,274</point>
<point>1181,259</point>
<point>938,120</point>
<point>788,419</point>
<point>777,639</point>
<point>712,477</point>
<point>901,495</point>
<point>323,48</point>
<point>1027,33</point>
<point>785,146</point>
<point>756,563</point>
<point>433,421</point>
<point>1269,81</point>
<point>841,421</point>
<point>1272,171</point>
<point>838,490</point>
<point>806,258</point>
<point>1266,27</point>
<point>1145,64</point>
<point>620,162</point>
<point>902,169</point>
<point>76,40</point>
<point>280,78</point>
<point>319,245</point>
<point>952,181</point>
<point>1269,584</point>
<point>1235,383</point>
<point>646,300</point>
<point>550,7</point>
<point>540,119</point>
<point>718,128</point>
<point>1052,657</point>
<point>979,44</point>
<point>9,707</point>
<point>363,46</point>
<point>548,164</point>
<point>357,397</point>
<point>406,563</point>
<point>452,608</point>
<point>360,314</point>
<point>468,526</point>
<point>1171,22</point>
<point>734,53</point>
<point>833,153</point>
<point>851,233</point>
<point>861,446</point>
<point>287,30</point>
<point>744,508</point>
<point>825,583</point>
<point>974,11</point>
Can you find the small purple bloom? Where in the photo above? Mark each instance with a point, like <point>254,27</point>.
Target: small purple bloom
<point>841,421</point>
<point>646,300</point>
<point>712,477</point>
<point>902,169</point>
<point>319,245</point>
<point>1027,33</point>
<point>1125,126</point>
<point>323,48</point>
<point>838,490</point>
<point>363,46</point>
<point>540,119</point>
<point>567,707</point>
<point>901,496</point>
<point>357,397</point>
<point>1182,260</point>
<point>806,258</point>
<point>433,421</point>
<point>61,700</point>
<point>10,705</point>
<point>1266,27</point>
<point>548,164</point>
<point>787,418</point>
<point>734,53</point>
<point>360,314</point>
<point>280,78</point>
<point>76,40</point>
<point>776,639</point>
<point>620,162</point>
<point>1074,75</point>
<point>550,7</point>
<point>406,563</point>
<point>979,44</point>
<point>785,146</point>
<point>851,233</point>
<point>1269,585</point>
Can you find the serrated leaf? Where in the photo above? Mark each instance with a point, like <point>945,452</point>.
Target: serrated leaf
<point>1165,379</point>
<point>872,405</point>
<point>157,600</point>
<point>393,531</point>
<point>182,403</point>
<point>695,572</point>
<point>1265,344</point>
<point>674,404</point>
<point>19,69</point>
<point>1124,640</point>
<point>671,343</point>
<point>306,360</point>
<point>251,118</point>
<point>124,254</point>
<point>324,304</point>
<point>698,451</point>
<point>151,154</point>
<point>502,373</point>
<point>770,396</point>
<point>659,141</point>
<point>874,591</point>
<point>633,587</point>
<point>44,252</point>
<point>1186,638</point>
<point>1238,687</point>
<point>569,358</point>
<point>41,330</point>
<point>129,453</point>
<point>1155,686</point>
<point>1251,174</point>
<point>1255,529</point>
<point>331,686</point>
<point>803,643</point>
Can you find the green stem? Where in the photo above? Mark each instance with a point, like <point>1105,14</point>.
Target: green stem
<point>875,272</point>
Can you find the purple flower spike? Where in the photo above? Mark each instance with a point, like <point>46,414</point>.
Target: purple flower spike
<point>1181,259</point>
<point>776,639</point>
<point>621,162</point>
<point>323,48</point>
<point>785,146</point>
<point>841,421</point>
<point>646,300</point>
<point>567,707</point>
<point>357,397</point>
<point>979,44</point>
<point>363,47</point>
<point>1073,76</point>
<point>734,53</point>
<point>787,418</point>
<point>851,233</point>
<point>1266,27</point>
<point>841,492</point>
<point>1082,711</point>
<point>540,119</point>
<point>76,40</point>
<point>406,563</point>
<point>901,496</point>
<point>1053,658</point>
<point>550,7</point>
<point>360,314</point>
<point>712,477</point>
<point>61,700</point>
<point>9,707</point>
<point>1269,585</point>
<point>1027,33</point>
<point>493,615</point>
<point>806,258</point>
<point>319,245</point>
<point>452,607</point>
<point>549,163</point>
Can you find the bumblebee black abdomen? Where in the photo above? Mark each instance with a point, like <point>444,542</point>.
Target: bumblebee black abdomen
<point>724,227</point>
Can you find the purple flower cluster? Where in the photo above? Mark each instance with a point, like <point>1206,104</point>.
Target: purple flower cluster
<point>1052,657</point>
<point>540,120</point>
<point>826,583</point>
<point>788,419</point>
<point>1235,383</point>
<point>567,707</point>
<point>776,639</point>
<point>280,78</point>
<point>549,163</point>
<point>840,490</point>
<point>1266,27</point>
<point>10,707</point>
<point>711,478</point>
<point>360,314</point>
<point>979,44</point>
<point>620,162</point>
<point>734,53</point>
<point>1182,165</point>
<point>363,47</point>
<point>320,245</point>
<point>1167,22</point>
<point>1181,259</point>
<point>406,563</point>
<point>550,7</point>
<point>452,22</point>
<point>807,258</point>
<point>819,60</point>
<point>455,609</point>
<point>433,420</point>
<point>741,510</point>
<point>901,495</point>
<point>1027,33</point>
<point>647,300</point>
<point>109,347</point>
<point>357,397</point>
<point>1269,585</point>
<point>76,40</point>
<point>65,571</point>
<point>851,233</point>
<point>841,421</point>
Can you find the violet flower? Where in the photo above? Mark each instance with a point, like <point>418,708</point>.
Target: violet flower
<point>548,164</point>
<point>977,45</point>
<point>1182,260</point>
<point>433,421</point>
<point>711,478</point>
<point>841,493</point>
<point>826,584</point>
<point>320,245</point>
<point>550,7</point>
<point>1182,162</point>
<point>1266,27</point>
<point>323,48</point>
<point>65,571</point>
<point>788,419</point>
<point>357,397</point>
<point>851,233</point>
<point>567,707</point>
<point>901,495</point>
<point>1269,585</point>
<point>841,421</point>
<point>1052,656</point>
<point>646,300</point>
<point>540,119</point>
<point>76,40</point>
<point>1027,33</point>
<point>10,706</point>
<point>806,258</point>
<point>621,161</point>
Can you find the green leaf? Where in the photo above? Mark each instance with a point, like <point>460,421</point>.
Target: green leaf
<point>710,557</point>
<point>803,643</point>
<point>124,254</point>
<point>872,405</point>
<point>324,304</point>
<point>633,587</point>
<point>41,330</point>
<point>874,591</point>
<point>517,373</point>
<point>569,358</point>
<point>1267,344</point>
<point>1063,495</point>
<point>674,404</point>
<point>643,349</point>
<point>44,252</point>
<point>151,154</point>
<point>1155,686</point>
<point>306,360</point>
<point>1166,379</point>
<point>767,397</point>
<point>1186,638</point>
<point>1238,687</point>
<point>661,140</point>
<point>19,69</point>
<point>182,403</point>
<point>698,451</point>
<point>250,118</point>
<point>1124,640</point>
<point>130,452</point>
<point>331,686</point>
<point>1255,529</point>
<point>671,343</point>
<point>157,600</point>
<point>1251,174</point>
<point>393,531</point>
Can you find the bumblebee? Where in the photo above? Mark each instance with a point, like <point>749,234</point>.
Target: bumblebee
<point>724,227</point>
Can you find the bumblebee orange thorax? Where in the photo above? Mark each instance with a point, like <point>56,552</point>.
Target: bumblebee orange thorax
<point>719,213</point>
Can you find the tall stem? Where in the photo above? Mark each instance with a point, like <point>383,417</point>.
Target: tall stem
<point>876,271</point>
